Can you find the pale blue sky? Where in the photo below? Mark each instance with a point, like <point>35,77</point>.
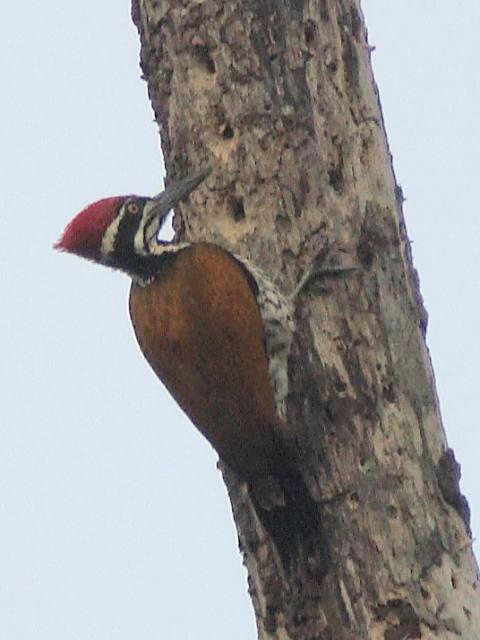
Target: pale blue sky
<point>113,520</point>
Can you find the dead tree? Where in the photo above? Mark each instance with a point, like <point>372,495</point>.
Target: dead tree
<point>278,95</point>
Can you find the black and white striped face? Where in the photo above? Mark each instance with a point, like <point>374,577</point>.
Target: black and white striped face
<point>132,236</point>
<point>122,232</point>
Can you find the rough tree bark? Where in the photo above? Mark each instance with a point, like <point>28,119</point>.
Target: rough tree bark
<point>279,96</point>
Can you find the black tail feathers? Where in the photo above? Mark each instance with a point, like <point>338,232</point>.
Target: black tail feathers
<point>293,523</point>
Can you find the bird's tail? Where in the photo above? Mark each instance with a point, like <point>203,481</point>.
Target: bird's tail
<point>290,516</point>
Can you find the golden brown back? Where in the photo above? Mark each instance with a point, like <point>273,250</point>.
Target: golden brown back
<point>199,327</point>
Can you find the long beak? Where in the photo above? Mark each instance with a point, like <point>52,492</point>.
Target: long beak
<point>165,201</point>
<point>178,191</point>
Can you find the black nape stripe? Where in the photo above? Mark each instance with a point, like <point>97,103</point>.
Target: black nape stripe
<point>125,238</point>
<point>124,244</point>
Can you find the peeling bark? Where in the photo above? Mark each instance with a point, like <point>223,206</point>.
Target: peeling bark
<point>279,96</point>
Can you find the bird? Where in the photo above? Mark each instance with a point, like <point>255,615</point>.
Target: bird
<point>216,331</point>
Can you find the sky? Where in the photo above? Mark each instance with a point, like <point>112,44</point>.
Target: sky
<point>114,523</point>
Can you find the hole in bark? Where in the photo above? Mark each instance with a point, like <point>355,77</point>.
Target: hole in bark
<point>335,177</point>
<point>354,500</point>
<point>238,210</point>
<point>388,393</point>
<point>453,580</point>
<point>332,66</point>
<point>391,511</point>
<point>425,594</point>
<point>283,223</point>
<point>468,613</point>
<point>202,54</point>
<point>228,132</point>
<point>310,32</point>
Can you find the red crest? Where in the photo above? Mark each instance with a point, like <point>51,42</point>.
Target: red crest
<point>83,236</point>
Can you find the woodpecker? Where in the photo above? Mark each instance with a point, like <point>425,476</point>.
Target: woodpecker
<point>217,332</point>
<point>212,326</point>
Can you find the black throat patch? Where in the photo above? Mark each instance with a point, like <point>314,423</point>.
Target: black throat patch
<point>125,257</point>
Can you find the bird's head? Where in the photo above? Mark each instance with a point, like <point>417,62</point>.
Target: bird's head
<point>122,231</point>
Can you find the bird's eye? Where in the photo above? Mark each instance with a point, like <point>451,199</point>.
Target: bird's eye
<point>132,207</point>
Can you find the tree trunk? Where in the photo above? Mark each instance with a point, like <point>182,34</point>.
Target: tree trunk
<point>278,96</point>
